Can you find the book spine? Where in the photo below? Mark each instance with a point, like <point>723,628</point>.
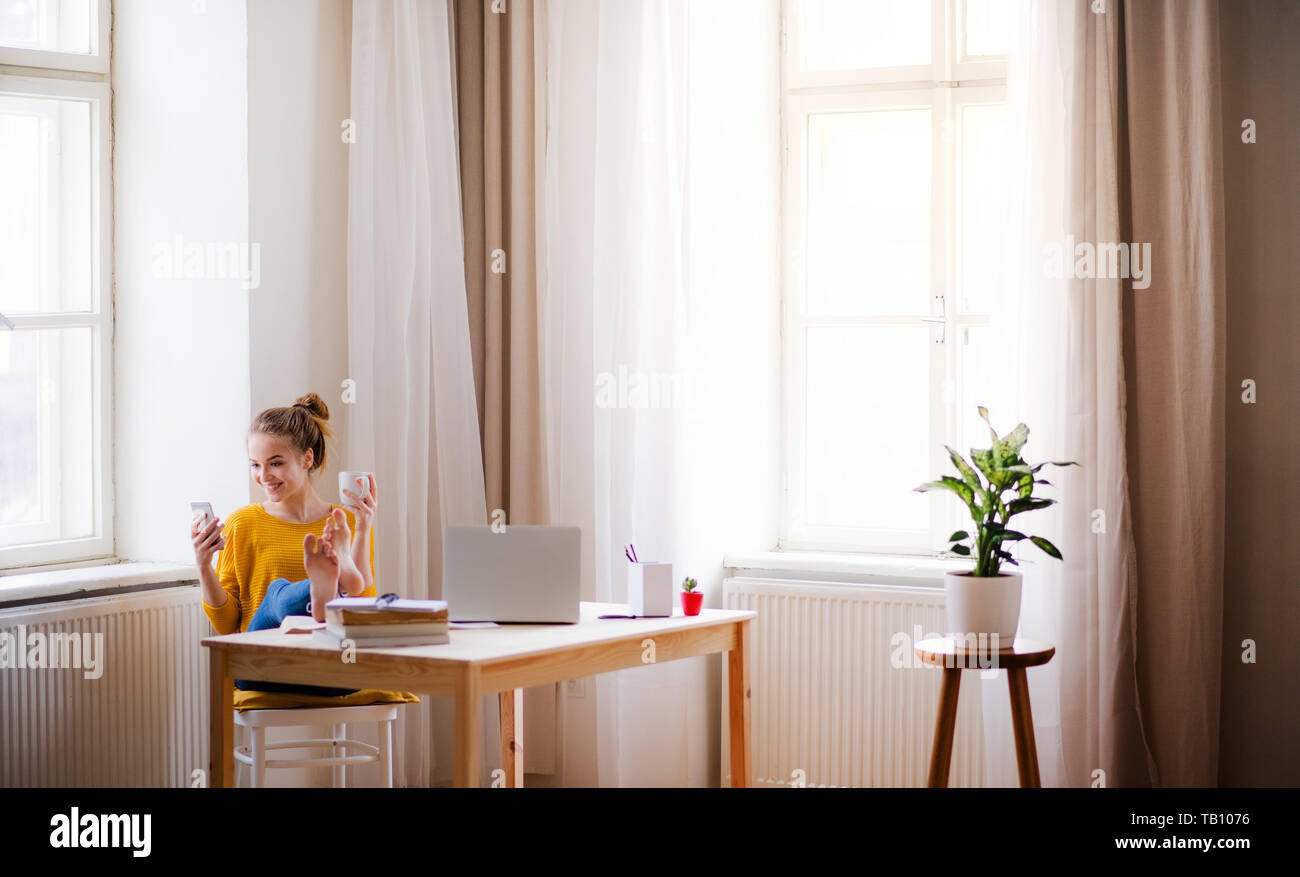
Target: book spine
<point>372,632</point>
<point>357,619</point>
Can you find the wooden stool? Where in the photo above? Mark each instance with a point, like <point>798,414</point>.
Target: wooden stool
<point>947,653</point>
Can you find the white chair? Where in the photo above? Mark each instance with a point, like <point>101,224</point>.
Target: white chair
<point>257,721</point>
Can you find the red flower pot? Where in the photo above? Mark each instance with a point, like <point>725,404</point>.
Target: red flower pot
<point>692,602</point>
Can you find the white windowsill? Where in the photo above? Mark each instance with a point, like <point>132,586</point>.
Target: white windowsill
<point>85,581</point>
<point>826,566</point>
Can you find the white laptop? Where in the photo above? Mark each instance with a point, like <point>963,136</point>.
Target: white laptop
<point>524,574</point>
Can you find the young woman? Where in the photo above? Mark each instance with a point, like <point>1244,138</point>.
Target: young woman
<point>295,552</point>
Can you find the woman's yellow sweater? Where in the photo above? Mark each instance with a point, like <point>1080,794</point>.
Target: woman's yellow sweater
<point>261,548</point>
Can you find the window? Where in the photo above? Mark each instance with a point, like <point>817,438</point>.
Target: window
<point>894,184</point>
<point>55,272</point>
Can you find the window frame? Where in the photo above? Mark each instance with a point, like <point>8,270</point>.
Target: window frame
<point>952,80</point>
<point>95,61</point>
<point>66,76</point>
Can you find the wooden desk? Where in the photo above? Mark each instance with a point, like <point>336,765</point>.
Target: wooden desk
<point>477,662</point>
<point>953,657</point>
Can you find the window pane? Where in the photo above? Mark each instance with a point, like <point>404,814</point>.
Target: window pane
<point>855,34</point>
<point>868,427</point>
<point>983,195</point>
<point>868,247</point>
<point>976,371</point>
<point>48,25</point>
<point>988,26</point>
<point>46,178</point>
<point>47,436</point>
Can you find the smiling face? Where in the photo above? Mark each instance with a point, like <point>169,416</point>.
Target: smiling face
<point>274,464</point>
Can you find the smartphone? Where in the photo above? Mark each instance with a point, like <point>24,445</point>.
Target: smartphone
<point>204,511</point>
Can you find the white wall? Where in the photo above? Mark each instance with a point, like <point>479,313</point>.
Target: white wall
<point>181,370</point>
<point>227,127</point>
<point>298,96</point>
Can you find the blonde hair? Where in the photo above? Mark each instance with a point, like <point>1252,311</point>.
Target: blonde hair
<point>305,424</point>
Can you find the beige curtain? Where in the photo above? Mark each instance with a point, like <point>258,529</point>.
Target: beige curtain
<point>500,54</point>
<point>1174,356</point>
<point>1118,140</point>
<point>497,68</point>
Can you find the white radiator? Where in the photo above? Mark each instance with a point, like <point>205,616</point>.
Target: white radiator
<point>143,722</point>
<point>828,706</point>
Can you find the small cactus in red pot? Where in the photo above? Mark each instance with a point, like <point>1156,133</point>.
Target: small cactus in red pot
<point>692,598</point>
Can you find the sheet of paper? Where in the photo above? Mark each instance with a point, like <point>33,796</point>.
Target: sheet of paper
<point>300,624</point>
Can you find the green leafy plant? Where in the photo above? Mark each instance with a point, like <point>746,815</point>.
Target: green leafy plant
<point>991,508</point>
<point>689,584</point>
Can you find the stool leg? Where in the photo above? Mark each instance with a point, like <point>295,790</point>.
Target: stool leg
<point>257,748</point>
<point>341,752</point>
<point>386,754</point>
<point>944,725</point>
<point>1022,721</point>
<point>336,771</point>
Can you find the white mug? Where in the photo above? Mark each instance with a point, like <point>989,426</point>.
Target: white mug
<point>348,481</point>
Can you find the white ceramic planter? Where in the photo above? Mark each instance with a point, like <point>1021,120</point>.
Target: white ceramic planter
<point>983,605</point>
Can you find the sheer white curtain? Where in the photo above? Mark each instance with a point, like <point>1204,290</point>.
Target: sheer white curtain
<point>414,421</point>
<point>615,180</point>
<point>1064,337</point>
<point>661,175</point>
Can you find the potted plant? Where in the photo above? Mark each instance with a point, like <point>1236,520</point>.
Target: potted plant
<point>692,599</point>
<point>986,600</point>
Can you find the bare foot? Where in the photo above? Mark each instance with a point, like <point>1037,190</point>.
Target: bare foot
<point>322,564</point>
<point>340,536</point>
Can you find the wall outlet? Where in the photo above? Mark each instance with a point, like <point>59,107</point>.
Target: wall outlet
<point>576,687</point>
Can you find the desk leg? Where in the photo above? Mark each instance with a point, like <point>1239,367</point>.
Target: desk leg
<point>944,725</point>
<point>221,722</point>
<point>1022,721</point>
<point>511,707</point>
<point>738,708</point>
<point>469,729</point>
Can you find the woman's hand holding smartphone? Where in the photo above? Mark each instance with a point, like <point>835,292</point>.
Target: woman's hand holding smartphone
<point>205,533</point>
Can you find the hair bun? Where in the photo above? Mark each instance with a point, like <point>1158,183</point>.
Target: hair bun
<point>314,404</point>
<point>304,435</point>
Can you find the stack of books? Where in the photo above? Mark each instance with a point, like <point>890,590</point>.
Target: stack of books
<point>400,623</point>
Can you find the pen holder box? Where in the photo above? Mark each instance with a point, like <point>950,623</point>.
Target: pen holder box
<point>650,588</point>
